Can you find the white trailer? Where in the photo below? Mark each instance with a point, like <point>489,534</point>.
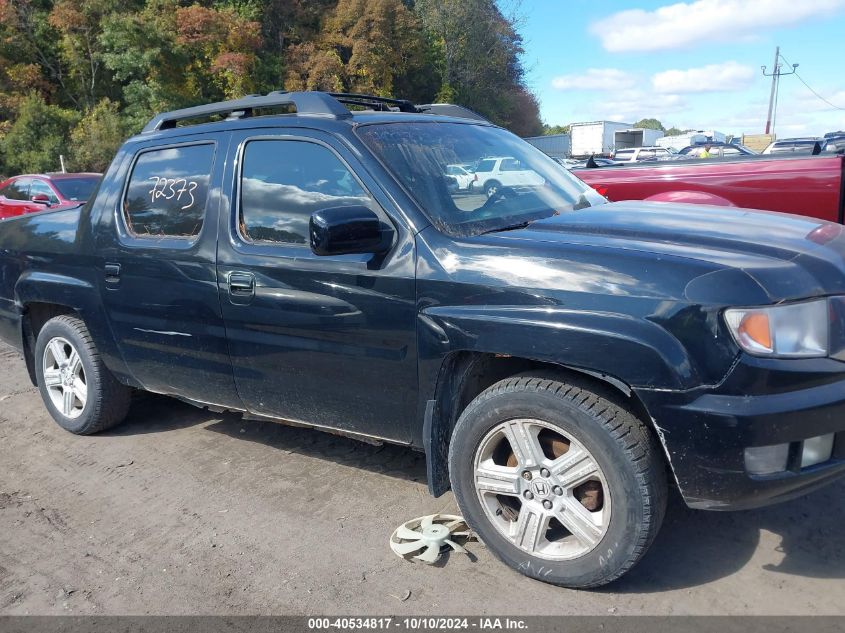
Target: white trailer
<point>697,137</point>
<point>555,145</point>
<point>635,137</point>
<point>594,137</point>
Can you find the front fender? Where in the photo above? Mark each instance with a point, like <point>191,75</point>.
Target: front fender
<point>637,352</point>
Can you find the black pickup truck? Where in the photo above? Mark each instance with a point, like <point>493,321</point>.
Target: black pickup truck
<point>560,359</point>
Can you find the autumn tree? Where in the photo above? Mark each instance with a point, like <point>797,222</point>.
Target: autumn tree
<point>368,46</point>
<point>78,24</point>
<point>76,76</point>
<point>479,61</point>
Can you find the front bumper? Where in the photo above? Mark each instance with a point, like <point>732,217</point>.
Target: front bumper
<point>763,402</point>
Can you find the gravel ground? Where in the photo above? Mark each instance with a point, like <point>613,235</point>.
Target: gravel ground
<point>182,511</point>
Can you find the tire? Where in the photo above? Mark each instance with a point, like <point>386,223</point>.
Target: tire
<point>598,480</point>
<point>490,187</point>
<point>68,366</point>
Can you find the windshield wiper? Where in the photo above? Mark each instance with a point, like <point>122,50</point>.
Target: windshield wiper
<point>509,227</point>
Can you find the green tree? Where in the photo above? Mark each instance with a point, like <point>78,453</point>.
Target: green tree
<point>479,61</point>
<point>39,135</point>
<point>555,129</point>
<point>674,131</point>
<point>649,124</point>
<point>79,26</point>
<point>97,137</point>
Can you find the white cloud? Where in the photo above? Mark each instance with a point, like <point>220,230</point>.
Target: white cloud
<point>632,105</point>
<point>725,77</point>
<point>703,22</point>
<point>595,79</point>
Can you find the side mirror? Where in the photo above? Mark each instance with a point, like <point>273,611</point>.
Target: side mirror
<point>344,230</point>
<point>41,198</point>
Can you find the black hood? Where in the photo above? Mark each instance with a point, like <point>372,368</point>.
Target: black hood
<point>788,256</point>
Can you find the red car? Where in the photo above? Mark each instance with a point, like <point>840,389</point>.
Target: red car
<point>37,192</point>
<point>805,185</point>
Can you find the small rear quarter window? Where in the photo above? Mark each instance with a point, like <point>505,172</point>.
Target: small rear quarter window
<point>167,191</point>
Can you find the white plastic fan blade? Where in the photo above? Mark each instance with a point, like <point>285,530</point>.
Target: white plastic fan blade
<point>430,555</point>
<point>407,548</point>
<point>407,533</point>
<point>426,521</point>
<point>455,546</point>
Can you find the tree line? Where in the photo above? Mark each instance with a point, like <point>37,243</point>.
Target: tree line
<point>79,76</point>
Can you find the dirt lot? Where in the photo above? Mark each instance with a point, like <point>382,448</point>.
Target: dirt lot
<point>185,511</point>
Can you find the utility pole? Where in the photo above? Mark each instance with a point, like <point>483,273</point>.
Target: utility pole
<point>775,75</point>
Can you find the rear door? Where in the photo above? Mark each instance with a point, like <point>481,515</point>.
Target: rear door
<point>329,341</point>
<point>156,250</point>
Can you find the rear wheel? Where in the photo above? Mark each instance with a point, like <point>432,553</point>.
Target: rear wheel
<point>79,391</point>
<point>491,188</point>
<point>560,482</point>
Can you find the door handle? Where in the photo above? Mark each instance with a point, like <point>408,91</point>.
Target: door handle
<point>241,284</point>
<point>112,273</point>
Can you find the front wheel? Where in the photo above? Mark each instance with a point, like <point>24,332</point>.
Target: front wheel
<point>560,482</point>
<point>80,393</point>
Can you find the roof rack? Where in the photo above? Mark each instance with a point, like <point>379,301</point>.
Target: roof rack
<point>314,103</point>
<point>305,103</point>
<point>450,109</point>
<point>383,104</point>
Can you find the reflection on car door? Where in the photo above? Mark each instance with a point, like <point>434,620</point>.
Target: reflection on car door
<point>313,338</point>
<point>157,249</point>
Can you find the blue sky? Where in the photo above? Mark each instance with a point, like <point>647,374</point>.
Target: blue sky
<point>693,64</point>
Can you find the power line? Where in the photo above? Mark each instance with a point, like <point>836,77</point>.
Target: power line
<point>801,79</point>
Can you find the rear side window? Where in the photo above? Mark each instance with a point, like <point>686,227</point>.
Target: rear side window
<point>18,190</point>
<point>284,181</point>
<point>486,165</point>
<point>167,191</point>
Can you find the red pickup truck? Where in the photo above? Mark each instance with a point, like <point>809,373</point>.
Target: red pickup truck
<point>805,185</point>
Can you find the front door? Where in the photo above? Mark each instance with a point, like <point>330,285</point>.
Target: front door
<point>157,246</point>
<point>328,341</point>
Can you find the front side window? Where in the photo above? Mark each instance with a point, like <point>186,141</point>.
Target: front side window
<point>418,154</point>
<point>167,191</point>
<point>40,187</point>
<point>625,154</point>
<point>284,181</point>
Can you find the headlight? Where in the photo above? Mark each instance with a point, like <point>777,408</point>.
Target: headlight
<point>797,330</point>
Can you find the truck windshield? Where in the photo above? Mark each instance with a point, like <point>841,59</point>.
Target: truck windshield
<point>509,182</point>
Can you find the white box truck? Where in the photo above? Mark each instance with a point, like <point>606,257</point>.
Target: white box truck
<point>594,137</point>
<point>635,137</point>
